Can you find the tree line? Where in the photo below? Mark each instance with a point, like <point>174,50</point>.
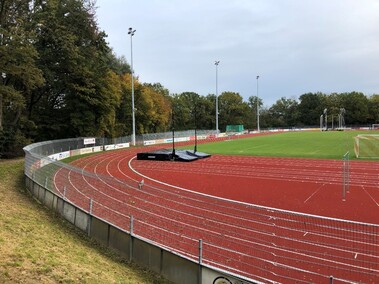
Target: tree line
<point>59,78</point>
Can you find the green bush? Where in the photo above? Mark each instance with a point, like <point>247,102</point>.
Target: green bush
<point>11,143</point>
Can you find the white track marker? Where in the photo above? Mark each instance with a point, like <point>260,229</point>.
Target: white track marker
<point>314,193</point>
<point>372,198</point>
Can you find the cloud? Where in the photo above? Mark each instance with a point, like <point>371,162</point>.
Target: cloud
<point>296,46</point>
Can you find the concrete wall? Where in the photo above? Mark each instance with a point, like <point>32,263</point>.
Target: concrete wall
<point>173,267</point>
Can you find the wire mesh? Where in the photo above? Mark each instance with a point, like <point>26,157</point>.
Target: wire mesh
<point>256,242</point>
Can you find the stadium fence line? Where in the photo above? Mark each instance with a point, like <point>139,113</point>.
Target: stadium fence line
<point>42,162</point>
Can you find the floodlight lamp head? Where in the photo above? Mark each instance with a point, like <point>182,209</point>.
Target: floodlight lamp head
<point>131,32</point>
<point>257,77</point>
<point>217,62</point>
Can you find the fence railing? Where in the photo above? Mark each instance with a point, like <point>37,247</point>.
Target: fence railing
<point>147,227</point>
<point>115,222</point>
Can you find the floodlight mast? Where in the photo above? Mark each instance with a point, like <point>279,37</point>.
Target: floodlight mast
<point>195,117</point>
<point>131,33</point>
<point>258,128</point>
<point>217,62</point>
<point>173,132</point>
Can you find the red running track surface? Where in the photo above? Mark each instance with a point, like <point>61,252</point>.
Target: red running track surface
<point>227,202</point>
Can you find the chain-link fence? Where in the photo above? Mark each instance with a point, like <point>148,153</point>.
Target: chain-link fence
<point>192,239</point>
<point>113,211</point>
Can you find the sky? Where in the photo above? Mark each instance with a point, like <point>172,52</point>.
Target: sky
<point>294,46</point>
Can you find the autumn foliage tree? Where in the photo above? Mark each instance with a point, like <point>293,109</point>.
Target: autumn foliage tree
<point>19,73</point>
<point>59,78</point>
<point>152,107</point>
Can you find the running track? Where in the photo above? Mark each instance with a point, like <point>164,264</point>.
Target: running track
<point>177,207</point>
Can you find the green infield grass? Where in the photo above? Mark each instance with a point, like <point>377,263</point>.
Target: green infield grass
<point>306,144</point>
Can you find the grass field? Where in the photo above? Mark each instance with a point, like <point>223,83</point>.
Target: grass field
<point>310,144</point>
<point>37,246</point>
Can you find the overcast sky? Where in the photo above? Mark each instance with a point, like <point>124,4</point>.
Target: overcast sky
<point>295,46</point>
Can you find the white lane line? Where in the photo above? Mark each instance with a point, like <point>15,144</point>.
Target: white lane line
<point>317,190</point>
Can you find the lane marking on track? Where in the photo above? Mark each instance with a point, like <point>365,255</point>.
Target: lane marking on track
<point>372,198</point>
<point>238,202</point>
<point>277,264</point>
<point>254,242</point>
<point>181,188</point>
<point>317,190</point>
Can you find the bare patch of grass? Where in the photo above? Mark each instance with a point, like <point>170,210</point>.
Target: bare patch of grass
<point>37,246</point>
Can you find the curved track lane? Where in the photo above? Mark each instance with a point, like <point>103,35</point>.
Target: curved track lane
<point>182,203</point>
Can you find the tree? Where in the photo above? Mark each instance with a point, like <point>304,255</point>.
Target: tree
<point>265,118</point>
<point>334,106</point>
<point>158,88</point>
<point>206,112</point>
<point>153,111</point>
<point>184,106</point>
<point>19,75</point>
<point>310,108</point>
<point>356,106</point>
<point>285,112</point>
<point>74,58</point>
<point>232,109</point>
<point>253,103</point>
<point>152,107</point>
<point>118,65</point>
<point>111,89</point>
<point>124,110</point>
<point>373,108</point>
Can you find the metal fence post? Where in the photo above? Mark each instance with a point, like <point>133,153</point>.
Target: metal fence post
<point>89,217</point>
<point>131,238</point>
<point>348,172</point>
<point>343,179</point>
<point>200,260</point>
<point>90,206</point>
<point>345,175</point>
<point>200,251</point>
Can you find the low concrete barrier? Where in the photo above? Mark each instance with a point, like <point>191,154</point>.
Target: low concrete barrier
<point>172,266</point>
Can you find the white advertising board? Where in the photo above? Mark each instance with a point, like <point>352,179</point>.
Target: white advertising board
<point>60,156</point>
<point>86,150</point>
<point>89,141</point>
<point>122,145</point>
<point>149,142</point>
<point>110,147</point>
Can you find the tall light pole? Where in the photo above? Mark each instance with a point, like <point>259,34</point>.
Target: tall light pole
<point>131,33</point>
<point>216,63</point>
<point>258,129</point>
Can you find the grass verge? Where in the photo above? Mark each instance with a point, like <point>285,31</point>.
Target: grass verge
<point>37,246</point>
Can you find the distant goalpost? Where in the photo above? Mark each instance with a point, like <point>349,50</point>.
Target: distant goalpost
<point>366,146</point>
